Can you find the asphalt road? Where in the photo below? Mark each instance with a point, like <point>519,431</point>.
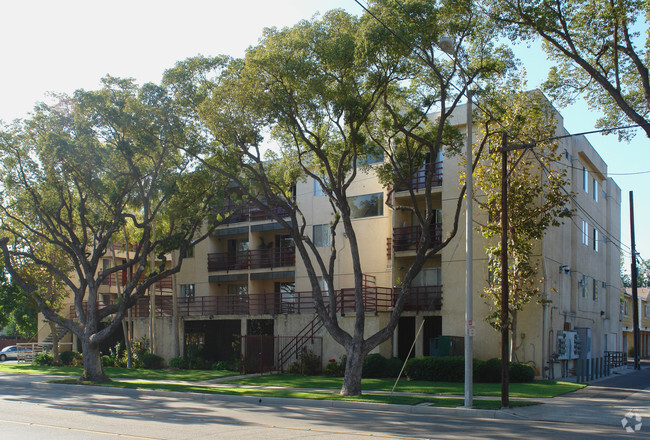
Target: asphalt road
<point>31,410</point>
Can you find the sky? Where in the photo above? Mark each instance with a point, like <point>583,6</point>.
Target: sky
<point>60,46</point>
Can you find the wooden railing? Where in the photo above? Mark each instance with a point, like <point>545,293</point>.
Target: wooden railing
<point>375,299</point>
<point>253,259</point>
<point>407,238</point>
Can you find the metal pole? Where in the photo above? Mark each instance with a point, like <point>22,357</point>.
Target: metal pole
<point>505,349</point>
<point>469,252</point>
<point>635,294</point>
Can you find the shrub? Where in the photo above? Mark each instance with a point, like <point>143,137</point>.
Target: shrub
<point>44,359</point>
<point>71,358</point>
<point>178,362</point>
<point>490,371</point>
<point>374,365</point>
<point>152,361</point>
<point>439,369</point>
<point>393,367</point>
<point>308,364</point>
<point>334,369</point>
<point>108,361</point>
<point>521,372</point>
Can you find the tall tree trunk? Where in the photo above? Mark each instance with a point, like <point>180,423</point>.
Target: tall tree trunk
<point>93,368</point>
<point>353,369</point>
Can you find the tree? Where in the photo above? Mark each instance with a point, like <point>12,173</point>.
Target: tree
<point>18,312</point>
<point>333,91</point>
<point>537,200</point>
<point>642,276</point>
<point>76,176</point>
<point>599,48</point>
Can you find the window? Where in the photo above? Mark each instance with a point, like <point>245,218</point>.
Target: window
<point>583,284</point>
<point>595,292</point>
<point>189,253</point>
<point>585,233</point>
<point>321,235</point>
<point>624,307</point>
<point>596,239</point>
<point>187,291</point>
<point>318,189</point>
<point>646,310</point>
<point>369,205</point>
<point>373,155</point>
<point>585,179</point>
<point>237,289</point>
<point>595,190</point>
<point>428,277</point>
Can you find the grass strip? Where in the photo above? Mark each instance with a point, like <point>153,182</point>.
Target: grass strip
<point>121,373</point>
<point>539,389</point>
<point>395,399</point>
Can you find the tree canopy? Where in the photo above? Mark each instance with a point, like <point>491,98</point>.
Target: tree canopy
<point>332,92</point>
<point>600,49</point>
<point>85,174</point>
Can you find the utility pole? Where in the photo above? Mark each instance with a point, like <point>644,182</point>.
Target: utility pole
<point>505,287</point>
<point>635,294</point>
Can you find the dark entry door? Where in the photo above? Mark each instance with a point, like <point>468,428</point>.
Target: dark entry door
<point>405,336</point>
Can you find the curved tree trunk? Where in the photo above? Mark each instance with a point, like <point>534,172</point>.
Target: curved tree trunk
<point>93,368</point>
<point>55,341</point>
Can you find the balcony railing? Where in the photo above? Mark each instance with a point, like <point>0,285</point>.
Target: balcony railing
<point>418,181</point>
<point>407,238</point>
<point>426,298</point>
<point>253,259</point>
<point>375,299</point>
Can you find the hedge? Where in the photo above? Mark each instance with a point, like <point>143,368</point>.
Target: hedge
<point>452,369</point>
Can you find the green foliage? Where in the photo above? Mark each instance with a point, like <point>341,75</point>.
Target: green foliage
<point>452,369</point>
<point>71,358</point>
<point>44,359</point>
<point>18,311</point>
<point>108,361</point>
<point>334,368</point>
<point>308,364</point>
<point>598,49</point>
<point>152,361</point>
<point>178,362</point>
<point>537,198</point>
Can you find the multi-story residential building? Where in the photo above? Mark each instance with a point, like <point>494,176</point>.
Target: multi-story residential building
<point>247,280</point>
<point>627,320</point>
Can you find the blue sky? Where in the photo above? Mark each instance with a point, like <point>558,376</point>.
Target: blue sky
<point>69,44</point>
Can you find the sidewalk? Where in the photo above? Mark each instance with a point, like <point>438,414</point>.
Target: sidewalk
<point>603,402</point>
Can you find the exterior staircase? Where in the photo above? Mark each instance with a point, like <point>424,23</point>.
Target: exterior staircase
<point>61,332</point>
<point>292,349</point>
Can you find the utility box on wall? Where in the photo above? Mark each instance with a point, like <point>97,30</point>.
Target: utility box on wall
<point>447,346</point>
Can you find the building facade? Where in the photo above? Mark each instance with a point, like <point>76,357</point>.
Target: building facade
<point>627,319</point>
<point>246,279</point>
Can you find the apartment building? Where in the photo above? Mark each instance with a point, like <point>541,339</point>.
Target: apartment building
<point>627,321</point>
<point>246,278</point>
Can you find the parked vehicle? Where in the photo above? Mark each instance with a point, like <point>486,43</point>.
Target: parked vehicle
<point>11,352</point>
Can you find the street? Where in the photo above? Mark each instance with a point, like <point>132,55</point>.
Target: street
<point>32,410</point>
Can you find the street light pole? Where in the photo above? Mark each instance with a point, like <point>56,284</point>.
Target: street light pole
<point>469,253</point>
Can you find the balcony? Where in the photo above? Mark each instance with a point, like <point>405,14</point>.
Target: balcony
<point>253,259</point>
<point>245,213</point>
<point>407,238</point>
<point>426,298</point>
<point>418,181</point>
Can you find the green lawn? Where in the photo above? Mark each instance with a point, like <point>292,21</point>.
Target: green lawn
<point>121,373</point>
<point>538,389</point>
<point>315,395</point>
